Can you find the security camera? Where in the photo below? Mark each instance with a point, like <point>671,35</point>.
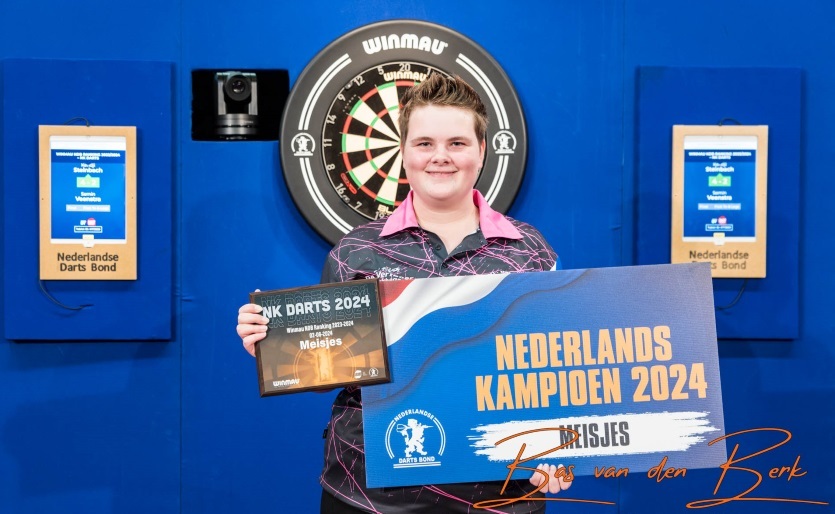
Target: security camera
<point>237,104</point>
<point>236,95</point>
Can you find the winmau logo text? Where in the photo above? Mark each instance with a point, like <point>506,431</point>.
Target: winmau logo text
<point>394,41</point>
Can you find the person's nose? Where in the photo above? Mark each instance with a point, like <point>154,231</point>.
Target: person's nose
<point>440,156</point>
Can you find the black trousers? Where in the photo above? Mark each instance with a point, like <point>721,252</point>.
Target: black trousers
<point>330,505</point>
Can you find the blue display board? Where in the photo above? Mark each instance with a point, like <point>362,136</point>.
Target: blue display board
<point>103,93</point>
<point>591,368</point>
<point>767,308</point>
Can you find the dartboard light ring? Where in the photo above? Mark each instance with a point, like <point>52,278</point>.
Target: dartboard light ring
<point>339,141</point>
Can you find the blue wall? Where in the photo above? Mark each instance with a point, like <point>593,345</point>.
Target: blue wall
<point>169,427</point>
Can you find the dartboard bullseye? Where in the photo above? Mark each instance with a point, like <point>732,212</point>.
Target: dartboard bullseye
<point>340,141</point>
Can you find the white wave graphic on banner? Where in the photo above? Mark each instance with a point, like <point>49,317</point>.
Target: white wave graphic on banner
<point>424,296</point>
<point>647,433</point>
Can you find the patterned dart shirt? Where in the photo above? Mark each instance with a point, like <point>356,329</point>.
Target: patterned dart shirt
<point>397,248</point>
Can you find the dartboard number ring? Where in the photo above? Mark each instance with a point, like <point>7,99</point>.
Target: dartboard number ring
<point>340,141</point>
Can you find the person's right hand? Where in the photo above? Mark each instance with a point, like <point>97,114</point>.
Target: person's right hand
<point>252,326</point>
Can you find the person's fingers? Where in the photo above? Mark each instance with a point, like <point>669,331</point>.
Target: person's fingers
<point>250,340</point>
<point>248,328</point>
<point>252,326</point>
<point>249,307</point>
<point>539,477</point>
<point>564,484</point>
<point>251,318</point>
<point>553,481</point>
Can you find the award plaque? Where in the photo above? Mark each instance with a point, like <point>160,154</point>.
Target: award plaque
<point>321,337</point>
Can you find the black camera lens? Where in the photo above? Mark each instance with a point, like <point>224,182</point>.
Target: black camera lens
<point>238,88</point>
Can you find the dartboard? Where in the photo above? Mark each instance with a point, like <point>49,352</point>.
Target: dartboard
<point>340,142</point>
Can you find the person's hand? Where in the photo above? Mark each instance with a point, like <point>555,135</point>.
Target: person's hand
<point>556,481</point>
<point>252,326</point>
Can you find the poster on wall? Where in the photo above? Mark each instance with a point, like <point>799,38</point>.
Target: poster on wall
<point>87,203</point>
<point>719,198</point>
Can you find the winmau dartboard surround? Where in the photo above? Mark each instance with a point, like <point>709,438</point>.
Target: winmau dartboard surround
<point>339,139</point>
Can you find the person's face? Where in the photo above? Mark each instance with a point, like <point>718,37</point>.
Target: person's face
<point>442,155</point>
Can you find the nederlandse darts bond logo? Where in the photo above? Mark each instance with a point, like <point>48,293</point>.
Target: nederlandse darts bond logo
<point>339,139</point>
<point>415,438</point>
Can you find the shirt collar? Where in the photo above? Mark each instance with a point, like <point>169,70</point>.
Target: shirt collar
<point>491,223</point>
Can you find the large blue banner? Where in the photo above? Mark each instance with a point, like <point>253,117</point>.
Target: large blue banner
<point>597,368</point>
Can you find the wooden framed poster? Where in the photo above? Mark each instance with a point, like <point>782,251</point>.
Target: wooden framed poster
<point>87,203</point>
<point>719,198</point>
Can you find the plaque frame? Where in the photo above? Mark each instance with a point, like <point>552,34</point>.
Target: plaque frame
<point>322,337</point>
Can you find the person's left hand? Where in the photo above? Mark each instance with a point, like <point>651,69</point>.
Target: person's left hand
<point>556,481</point>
